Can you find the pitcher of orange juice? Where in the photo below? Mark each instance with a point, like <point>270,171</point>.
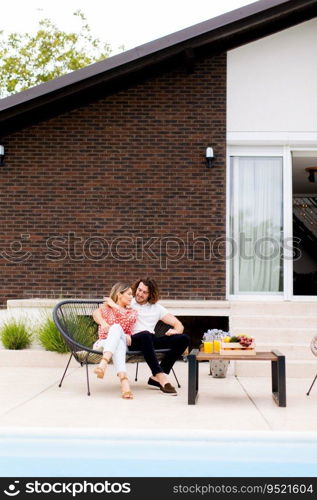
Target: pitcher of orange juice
<point>208,342</point>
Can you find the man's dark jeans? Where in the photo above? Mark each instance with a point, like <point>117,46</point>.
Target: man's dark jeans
<point>147,343</point>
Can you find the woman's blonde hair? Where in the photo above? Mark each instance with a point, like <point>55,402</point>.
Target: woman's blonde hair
<point>117,288</point>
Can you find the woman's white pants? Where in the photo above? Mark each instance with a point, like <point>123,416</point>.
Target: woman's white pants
<point>116,343</point>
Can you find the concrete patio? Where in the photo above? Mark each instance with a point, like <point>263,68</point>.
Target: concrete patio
<point>30,397</point>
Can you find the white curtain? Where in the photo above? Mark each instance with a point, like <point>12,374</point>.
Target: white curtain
<point>257,223</point>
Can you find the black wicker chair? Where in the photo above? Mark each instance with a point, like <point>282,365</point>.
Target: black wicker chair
<point>74,320</point>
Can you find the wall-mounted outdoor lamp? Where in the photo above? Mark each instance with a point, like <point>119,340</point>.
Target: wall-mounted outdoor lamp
<point>311,171</point>
<point>1,155</point>
<point>209,156</point>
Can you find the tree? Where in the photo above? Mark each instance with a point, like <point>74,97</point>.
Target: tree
<point>27,60</point>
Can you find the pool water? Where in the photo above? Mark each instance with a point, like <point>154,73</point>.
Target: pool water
<point>56,452</point>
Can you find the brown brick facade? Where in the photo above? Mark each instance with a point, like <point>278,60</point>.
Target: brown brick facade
<point>119,189</point>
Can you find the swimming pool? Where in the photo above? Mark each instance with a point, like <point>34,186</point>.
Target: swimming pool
<point>56,452</point>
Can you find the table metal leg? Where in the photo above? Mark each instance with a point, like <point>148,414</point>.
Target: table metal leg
<point>193,376</point>
<point>279,379</point>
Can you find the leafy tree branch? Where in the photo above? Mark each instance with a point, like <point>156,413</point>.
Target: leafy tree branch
<point>30,59</point>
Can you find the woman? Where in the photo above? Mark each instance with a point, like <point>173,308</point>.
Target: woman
<point>115,330</point>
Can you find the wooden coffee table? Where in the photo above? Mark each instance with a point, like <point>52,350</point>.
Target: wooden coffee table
<point>277,371</point>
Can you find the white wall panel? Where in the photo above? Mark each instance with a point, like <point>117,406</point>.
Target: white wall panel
<point>272,83</point>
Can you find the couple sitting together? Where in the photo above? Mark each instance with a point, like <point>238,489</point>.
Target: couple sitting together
<point>127,320</point>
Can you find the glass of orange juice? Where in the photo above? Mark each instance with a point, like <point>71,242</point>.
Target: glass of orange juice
<point>208,346</point>
<point>217,342</point>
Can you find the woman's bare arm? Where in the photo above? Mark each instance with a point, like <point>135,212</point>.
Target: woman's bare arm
<point>100,320</point>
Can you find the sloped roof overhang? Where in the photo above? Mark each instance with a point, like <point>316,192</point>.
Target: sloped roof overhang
<point>182,48</point>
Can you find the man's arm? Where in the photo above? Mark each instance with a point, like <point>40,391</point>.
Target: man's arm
<point>177,326</point>
<point>109,302</point>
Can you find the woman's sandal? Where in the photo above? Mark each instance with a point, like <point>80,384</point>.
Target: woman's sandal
<point>126,394</point>
<point>99,371</point>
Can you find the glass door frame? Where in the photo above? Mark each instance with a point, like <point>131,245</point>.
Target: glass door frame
<point>263,151</point>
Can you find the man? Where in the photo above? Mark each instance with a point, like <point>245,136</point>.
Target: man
<point>145,301</point>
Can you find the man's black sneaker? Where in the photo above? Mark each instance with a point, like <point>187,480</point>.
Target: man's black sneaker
<point>167,388</point>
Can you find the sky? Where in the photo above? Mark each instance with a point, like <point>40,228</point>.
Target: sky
<point>118,22</point>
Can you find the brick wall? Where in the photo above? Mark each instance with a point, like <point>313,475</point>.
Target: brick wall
<point>119,189</point>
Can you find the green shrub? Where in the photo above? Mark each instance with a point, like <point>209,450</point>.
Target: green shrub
<point>14,334</point>
<point>50,338</point>
<point>82,329</point>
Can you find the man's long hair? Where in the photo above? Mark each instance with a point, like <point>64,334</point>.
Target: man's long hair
<point>154,292</point>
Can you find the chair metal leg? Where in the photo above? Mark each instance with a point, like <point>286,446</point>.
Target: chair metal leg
<point>60,384</point>
<point>178,384</point>
<point>312,385</point>
<point>88,389</point>
<point>136,371</point>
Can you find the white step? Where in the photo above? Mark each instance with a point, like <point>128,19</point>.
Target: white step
<point>290,351</point>
<point>40,358</point>
<point>268,335</point>
<point>32,303</point>
<point>294,368</point>
<point>35,357</point>
<point>300,322</point>
<point>273,308</point>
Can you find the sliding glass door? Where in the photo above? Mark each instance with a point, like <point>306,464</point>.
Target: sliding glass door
<point>304,184</point>
<point>256,225</point>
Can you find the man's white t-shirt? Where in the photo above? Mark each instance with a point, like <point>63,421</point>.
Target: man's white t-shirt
<point>148,316</point>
